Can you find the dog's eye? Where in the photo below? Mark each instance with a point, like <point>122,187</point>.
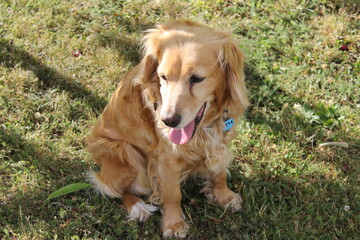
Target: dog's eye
<point>196,79</point>
<point>162,76</point>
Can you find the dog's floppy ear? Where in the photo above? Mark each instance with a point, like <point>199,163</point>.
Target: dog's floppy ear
<point>150,65</point>
<point>232,63</point>
<point>152,41</point>
<point>150,83</point>
<point>151,44</point>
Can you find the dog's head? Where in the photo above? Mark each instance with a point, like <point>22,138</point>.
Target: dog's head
<point>197,68</point>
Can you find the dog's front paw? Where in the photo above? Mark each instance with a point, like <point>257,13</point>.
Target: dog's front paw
<point>223,197</point>
<point>178,230</point>
<point>235,204</point>
<point>228,199</point>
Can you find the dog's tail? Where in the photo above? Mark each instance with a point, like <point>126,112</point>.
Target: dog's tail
<point>105,190</point>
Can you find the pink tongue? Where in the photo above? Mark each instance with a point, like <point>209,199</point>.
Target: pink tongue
<point>182,135</point>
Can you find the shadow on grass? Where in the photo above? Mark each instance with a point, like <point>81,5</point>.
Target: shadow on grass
<point>43,159</point>
<point>268,109</point>
<point>133,25</point>
<point>266,95</point>
<point>84,213</point>
<point>12,56</point>
<point>51,172</point>
<point>350,6</point>
<point>274,207</point>
<point>126,47</point>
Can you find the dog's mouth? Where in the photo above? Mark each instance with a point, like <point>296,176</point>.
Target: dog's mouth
<point>183,135</point>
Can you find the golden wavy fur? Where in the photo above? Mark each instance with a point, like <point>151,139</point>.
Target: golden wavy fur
<point>189,81</point>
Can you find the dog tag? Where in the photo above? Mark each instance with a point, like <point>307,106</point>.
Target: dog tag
<point>228,124</point>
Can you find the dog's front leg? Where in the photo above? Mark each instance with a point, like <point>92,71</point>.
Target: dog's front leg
<point>173,224</point>
<point>219,193</point>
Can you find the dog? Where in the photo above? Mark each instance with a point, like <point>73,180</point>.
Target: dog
<point>172,116</point>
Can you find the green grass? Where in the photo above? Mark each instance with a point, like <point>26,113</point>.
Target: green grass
<point>304,91</point>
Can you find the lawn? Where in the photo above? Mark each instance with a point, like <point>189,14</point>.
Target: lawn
<point>60,61</point>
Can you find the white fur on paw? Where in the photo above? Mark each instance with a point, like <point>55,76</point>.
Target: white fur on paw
<point>178,233</point>
<point>141,211</point>
<point>235,204</point>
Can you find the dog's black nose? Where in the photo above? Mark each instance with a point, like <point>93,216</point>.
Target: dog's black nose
<point>172,121</point>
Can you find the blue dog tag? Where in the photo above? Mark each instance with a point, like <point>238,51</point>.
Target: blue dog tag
<point>228,124</point>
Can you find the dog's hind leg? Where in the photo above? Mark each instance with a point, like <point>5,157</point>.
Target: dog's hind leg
<point>114,177</point>
<point>120,175</point>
